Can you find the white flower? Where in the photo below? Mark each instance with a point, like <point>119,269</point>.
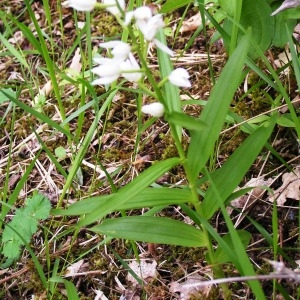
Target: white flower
<point>163,47</point>
<point>180,77</point>
<point>120,50</point>
<point>149,25</point>
<point>81,5</point>
<point>112,6</point>
<point>155,109</point>
<point>141,14</point>
<point>128,68</point>
<point>109,71</point>
<point>152,26</point>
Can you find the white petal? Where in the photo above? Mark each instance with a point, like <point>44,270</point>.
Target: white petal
<point>163,47</point>
<point>113,9</point>
<point>128,17</point>
<point>104,80</point>
<point>102,60</point>
<point>155,109</point>
<point>121,51</point>
<point>107,70</point>
<point>82,5</point>
<point>143,12</point>
<point>150,27</point>
<point>131,64</point>
<point>180,77</point>
<point>111,44</point>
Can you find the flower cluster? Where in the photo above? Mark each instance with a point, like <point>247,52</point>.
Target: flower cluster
<point>149,25</point>
<point>122,64</point>
<point>121,61</point>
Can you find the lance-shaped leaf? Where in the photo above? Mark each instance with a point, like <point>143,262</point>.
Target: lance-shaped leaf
<point>152,230</point>
<point>216,109</point>
<point>131,190</point>
<point>149,197</point>
<point>226,179</point>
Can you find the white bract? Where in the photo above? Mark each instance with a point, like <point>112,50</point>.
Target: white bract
<point>112,6</point>
<point>180,77</point>
<point>155,109</point>
<point>81,5</point>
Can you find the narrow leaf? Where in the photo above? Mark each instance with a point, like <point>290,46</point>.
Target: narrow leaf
<point>149,197</point>
<point>186,121</point>
<point>131,190</point>
<point>221,256</point>
<point>152,230</point>
<point>229,176</point>
<point>214,113</point>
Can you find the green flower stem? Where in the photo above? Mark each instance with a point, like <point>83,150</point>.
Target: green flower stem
<point>163,81</point>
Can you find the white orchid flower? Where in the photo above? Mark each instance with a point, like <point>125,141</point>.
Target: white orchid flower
<point>112,6</point>
<point>180,77</point>
<point>109,71</point>
<point>152,26</point>
<point>149,26</point>
<point>141,14</point>
<point>131,69</point>
<point>155,109</point>
<point>120,50</point>
<point>81,5</point>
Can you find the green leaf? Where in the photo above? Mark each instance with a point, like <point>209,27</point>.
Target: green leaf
<point>215,111</point>
<point>281,36</point>
<point>14,52</point>
<point>29,224</point>
<point>221,256</point>
<point>170,92</point>
<point>60,152</point>
<point>171,5</point>
<point>227,6</point>
<point>3,97</point>
<point>38,206</point>
<point>152,230</point>
<point>11,248</point>
<point>185,121</point>
<point>71,290</point>
<point>227,178</point>
<point>149,197</point>
<point>255,14</point>
<point>286,120</point>
<point>131,190</point>
<point>37,114</point>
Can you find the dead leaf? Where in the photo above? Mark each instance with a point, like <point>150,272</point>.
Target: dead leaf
<point>76,64</point>
<point>74,268</point>
<point>191,24</point>
<point>145,270</point>
<point>251,196</point>
<point>13,181</point>
<point>187,289</point>
<point>289,189</point>
<point>286,5</point>
<point>100,295</point>
<point>283,59</point>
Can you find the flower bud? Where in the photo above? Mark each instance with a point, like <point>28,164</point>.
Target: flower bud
<point>155,109</point>
<point>180,77</point>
